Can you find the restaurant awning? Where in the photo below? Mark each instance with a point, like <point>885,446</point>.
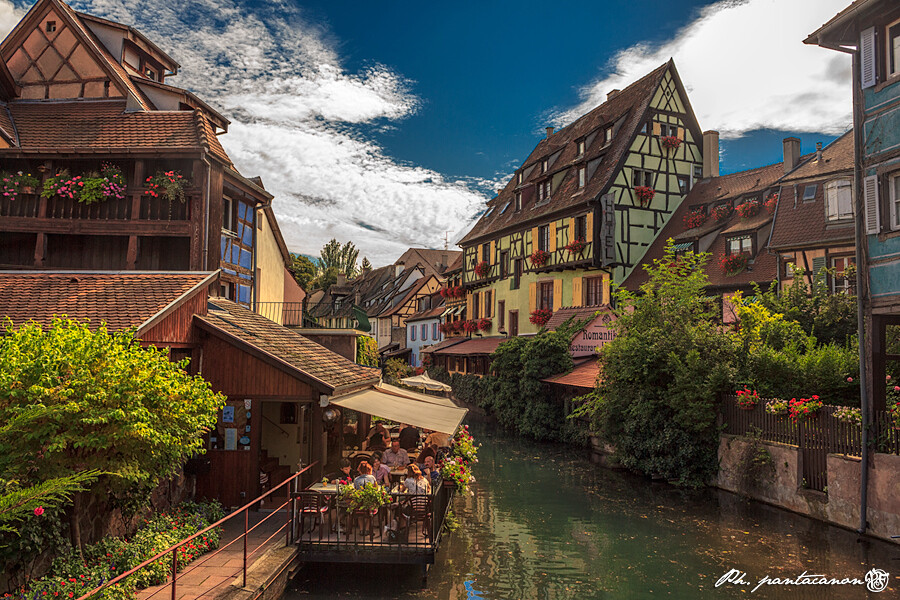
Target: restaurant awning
<point>403,406</point>
<point>426,382</point>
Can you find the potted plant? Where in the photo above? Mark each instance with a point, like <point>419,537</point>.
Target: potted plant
<point>455,472</point>
<point>721,212</point>
<point>747,399</point>
<point>484,324</point>
<point>369,498</point>
<point>482,269</point>
<point>540,316</point>
<point>576,247</point>
<point>804,408</point>
<point>167,184</point>
<point>539,258</point>
<point>748,209</point>
<point>645,194</point>
<point>470,326</point>
<point>777,406</point>
<point>463,445</point>
<point>771,202</point>
<point>670,142</point>
<point>845,414</point>
<point>733,264</point>
<point>695,218</point>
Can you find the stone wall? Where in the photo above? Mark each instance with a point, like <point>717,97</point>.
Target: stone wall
<point>779,484</point>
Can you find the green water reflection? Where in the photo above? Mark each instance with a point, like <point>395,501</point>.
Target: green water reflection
<point>545,523</point>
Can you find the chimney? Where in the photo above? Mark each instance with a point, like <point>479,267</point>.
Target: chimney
<point>341,279</point>
<point>611,94</point>
<point>818,151</point>
<point>710,154</point>
<point>549,131</point>
<point>791,153</point>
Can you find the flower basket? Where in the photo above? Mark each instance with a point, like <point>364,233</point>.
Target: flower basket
<point>540,316</point>
<point>644,194</point>
<point>456,472</point>
<point>777,406</point>
<point>748,209</point>
<point>771,202</point>
<point>733,264</point>
<point>851,416</point>
<point>747,399</point>
<point>539,258</point>
<point>482,269</point>
<point>11,185</point>
<point>671,142</point>
<point>484,324</point>
<point>576,247</point>
<point>695,218</point>
<point>470,326</point>
<point>167,184</point>
<point>721,212</point>
<point>459,292</point>
<point>804,409</point>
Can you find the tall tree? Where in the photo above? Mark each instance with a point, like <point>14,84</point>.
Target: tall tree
<point>341,258</point>
<point>304,271</point>
<point>366,265</point>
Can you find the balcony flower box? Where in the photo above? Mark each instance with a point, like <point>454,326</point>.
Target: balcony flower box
<point>771,202</point>
<point>748,209</point>
<point>733,264</point>
<point>576,247</point>
<point>644,194</point>
<point>11,185</point>
<point>671,142</point>
<point>484,324</point>
<point>470,326</point>
<point>722,212</point>
<point>482,269</point>
<point>695,218</point>
<point>541,316</point>
<point>539,258</point>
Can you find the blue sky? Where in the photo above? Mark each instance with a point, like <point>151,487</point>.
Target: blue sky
<point>391,123</point>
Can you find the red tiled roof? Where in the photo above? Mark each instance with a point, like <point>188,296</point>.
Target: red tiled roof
<point>284,346</point>
<point>626,107</point>
<point>579,313</point>
<point>209,139</point>
<point>444,344</point>
<point>6,124</point>
<point>431,313</point>
<point>472,346</point>
<point>121,300</point>
<point>102,125</point>
<point>584,375</point>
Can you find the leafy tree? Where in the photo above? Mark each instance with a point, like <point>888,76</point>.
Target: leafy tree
<point>366,266</point>
<point>366,351</point>
<point>396,369</point>
<point>341,258</point>
<point>304,271</point>
<point>107,405</point>
<point>662,374</point>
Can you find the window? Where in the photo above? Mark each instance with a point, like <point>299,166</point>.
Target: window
<point>517,274</point>
<point>51,26</point>
<point>838,200</point>
<point>895,201</point>
<point>581,228</point>
<point>544,238</point>
<point>893,48</point>
<point>666,130</point>
<point>645,127</point>
<point>580,147</point>
<point>839,283</point>
<point>582,177</point>
<point>698,172</point>
<point>488,212</point>
<point>476,305</point>
<point>513,322</point>
<point>488,300</point>
<point>486,253</point>
<point>227,214</point>
<point>742,244</point>
<point>518,201</point>
<point>545,300</point>
<point>434,331</point>
<point>684,184</point>
<point>504,264</point>
<point>545,164</point>
<point>544,190</point>
<point>150,73</point>
<point>501,315</point>
<point>412,333</point>
<point>505,206</point>
<point>424,331</point>
<point>593,291</point>
<point>608,135</point>
<point>519,177</point>
<point>809,192</point>
<point>642,178</point>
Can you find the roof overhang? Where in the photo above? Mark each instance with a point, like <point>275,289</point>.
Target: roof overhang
<point>201,286</point>
<point>840,33</point>
<point>403,406</point>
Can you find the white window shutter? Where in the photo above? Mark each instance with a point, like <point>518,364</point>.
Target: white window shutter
<point>870,186</point>
<point>867,57</point>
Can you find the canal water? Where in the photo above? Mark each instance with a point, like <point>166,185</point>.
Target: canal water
<point>543,522</point>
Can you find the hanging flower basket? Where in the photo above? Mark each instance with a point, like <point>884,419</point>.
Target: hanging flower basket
<point>541,316</point>
<point>576,247</point>
<point>482,269</point>
<point>695,218</point>
<point>747,399</point>
<point>722,212</point>
<point>777,406</point>
<point>470,326</point>
<point>733,264</point>
<point>671,142</point>
<point>539,258</point>
<point>645,194</point>
<point>444,328</point>
<point>804,409</point>
<point>167,184</point>
<point>484,324</point>
<point>771,202</point>
<point>456,326</point>
<point>748,209</point>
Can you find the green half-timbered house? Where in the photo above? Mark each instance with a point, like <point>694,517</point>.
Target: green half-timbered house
<point>584,207</point>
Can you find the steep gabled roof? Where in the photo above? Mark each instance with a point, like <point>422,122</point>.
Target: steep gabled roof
<point>625,111</point>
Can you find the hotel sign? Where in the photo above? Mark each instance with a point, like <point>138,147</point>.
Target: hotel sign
<point>589,340</point>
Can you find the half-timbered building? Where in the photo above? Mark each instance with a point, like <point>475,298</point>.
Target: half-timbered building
<point>584,206</point>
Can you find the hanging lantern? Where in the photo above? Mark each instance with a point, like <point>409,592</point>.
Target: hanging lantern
<point>331,415</point>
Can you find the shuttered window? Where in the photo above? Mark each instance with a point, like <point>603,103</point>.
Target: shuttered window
<point>867,57</point>
<point>593,291</point>
<point>838,200</point>
<point>546,295</point>
<point>895,201</point>
<point>873,218</point>
<point>893,48</point>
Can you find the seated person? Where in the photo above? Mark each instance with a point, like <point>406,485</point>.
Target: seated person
<point>415,482</point>
<point>381,472</point>
<point>379,440</point>
<point>409,438</point>
<point>365,475</point>
<point>426,452</point>
<point>430,470</point>
<point>341,474</point>
<point>436,438</point>
<point>396,456</point>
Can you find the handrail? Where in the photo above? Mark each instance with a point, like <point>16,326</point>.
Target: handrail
<point>286,434</point>
<point>173,549</point>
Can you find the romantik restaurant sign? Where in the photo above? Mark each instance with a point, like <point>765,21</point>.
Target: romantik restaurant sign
<point>597,333</point>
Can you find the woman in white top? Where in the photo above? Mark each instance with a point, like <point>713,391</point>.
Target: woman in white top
<point>415,482</point>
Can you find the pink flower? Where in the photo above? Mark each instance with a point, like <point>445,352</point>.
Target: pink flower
<point>39,511</point>
<point>849,380</point>
<point>897,388</point>
<point>887,377</point>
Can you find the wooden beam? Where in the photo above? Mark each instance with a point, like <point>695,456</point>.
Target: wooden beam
<point>95,226</point>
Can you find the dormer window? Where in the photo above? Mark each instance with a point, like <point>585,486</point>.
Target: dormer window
<point>582,177</point>
<point>580,147</point>
<point>518,201</point>
<point>740,245</point>
<point>838,200</point>
<point>545,164</point>
<point>519,177</point>
<point>51,26</point>
<point>150,73</point>
<point>608,137</point>
<point>544,190</point>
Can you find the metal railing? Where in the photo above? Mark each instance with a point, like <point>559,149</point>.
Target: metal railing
<point>294,481</point>
<point>284,313</point>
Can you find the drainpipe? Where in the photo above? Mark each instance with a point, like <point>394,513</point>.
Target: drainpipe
<point>205,235</point>
<point>862,293</point>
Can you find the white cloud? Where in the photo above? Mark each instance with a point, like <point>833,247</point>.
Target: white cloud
<point>745,67</point>
<point>300,121</point>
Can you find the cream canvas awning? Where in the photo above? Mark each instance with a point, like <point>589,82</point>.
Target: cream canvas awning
<point>403,406</point>
<point>426,382</point>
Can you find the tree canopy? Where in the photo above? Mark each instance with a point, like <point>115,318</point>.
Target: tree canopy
<point>304,271</point>
<point>340,258</point>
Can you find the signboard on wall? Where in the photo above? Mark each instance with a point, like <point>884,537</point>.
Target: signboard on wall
<point>589,340</point>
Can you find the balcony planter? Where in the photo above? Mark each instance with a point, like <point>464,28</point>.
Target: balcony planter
<point>771,202</point>
<point>644,194</point>
<point>576,247</point>
<point>695,218</point>
<point>484,324</point>
<point>722,212</point>
<point>470,326</point>
<point>541,316</point>
<point>167,184</point>
<point>733,264</point>
<point>748,209</point>
<point>671,142</point>
<point>482,269</point>
<point>539,258</point>
<point>11,185</point>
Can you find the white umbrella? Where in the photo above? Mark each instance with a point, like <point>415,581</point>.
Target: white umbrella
<point>426,382</point>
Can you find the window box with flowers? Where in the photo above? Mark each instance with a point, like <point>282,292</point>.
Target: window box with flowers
<point>484,324</point>
<point>721,212</point>
<point>576,247</point>
<point>747,399</point>
<point>470,326</point>
<point>644,194</point>
<point>733,264</point>
<point>482,269</point>
<point>539,258</point>
<point>748,209</point>
<point>777,407</point>
<point>771,202</point>
<point>804,409</point>
<point>695,218</point>
<point>670,142</point>
<point>167,184</point>
<point>541,316</point>
<point>11,185</point>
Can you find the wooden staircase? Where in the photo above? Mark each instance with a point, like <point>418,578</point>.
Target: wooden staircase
<point>277,474</point>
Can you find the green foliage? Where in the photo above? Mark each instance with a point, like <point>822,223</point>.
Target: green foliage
<point>365,266</point>
<point>342,259</point>
<point>439,374</point>
<point>303,270</point>
<point>662,374</point>
<point>366,351</point>
<point>396,369</point>
<point>755,466</point>
<point>19,503</point>
<point>369,497</point>
<point>104,403</point>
